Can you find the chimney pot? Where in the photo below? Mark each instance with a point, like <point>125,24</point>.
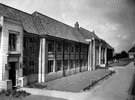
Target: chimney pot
<point>76,25</point>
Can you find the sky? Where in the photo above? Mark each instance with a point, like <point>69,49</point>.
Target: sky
<point>112,20</point>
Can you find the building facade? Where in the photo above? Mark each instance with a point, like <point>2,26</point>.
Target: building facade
<point>37,48</point>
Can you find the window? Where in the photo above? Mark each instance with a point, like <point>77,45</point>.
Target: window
<point>32,48</point>
<point>24,43</point>
<point>59,46</point>
<point>77,48</point>
<point>50,66</point>
<point>66,47</point>
<point>81,62</point>
<point>32,39</point>
<point>84,63</point>
<point>84,49</point>
<point>24,69</point>
<point>65,63</point>
<point>71,63</point>
<point>32,67</point>
<point>72,48</point>
<point>50,46</point>
<point>77,63</point>
<point>12,41</point>
<point>58,66</point>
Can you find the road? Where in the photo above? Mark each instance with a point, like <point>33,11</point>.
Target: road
<point>114,88</point>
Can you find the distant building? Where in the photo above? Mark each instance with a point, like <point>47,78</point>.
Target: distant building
<point>131,53</point>
<point>37,48</point>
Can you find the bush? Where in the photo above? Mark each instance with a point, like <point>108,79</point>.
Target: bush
<point>37,85</point>
<point>14,93</point>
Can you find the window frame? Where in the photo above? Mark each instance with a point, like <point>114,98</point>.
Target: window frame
<point>57,67</point>
<point>59,46</point>
<point>50,46</point>
<point>50,68</point>
<point>13,37</point>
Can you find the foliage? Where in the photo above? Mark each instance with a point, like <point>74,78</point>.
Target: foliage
<point>37,85</point>
<point>14,93</point>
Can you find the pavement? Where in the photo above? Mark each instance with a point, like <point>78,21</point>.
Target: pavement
<point>114,88</point>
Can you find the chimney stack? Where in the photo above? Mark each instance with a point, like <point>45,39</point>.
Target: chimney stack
<point>76,25</point>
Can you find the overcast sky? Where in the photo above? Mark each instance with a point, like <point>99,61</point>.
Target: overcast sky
<point>112,20</point>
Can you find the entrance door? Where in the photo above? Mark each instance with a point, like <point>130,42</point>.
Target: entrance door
<point>12,73</point>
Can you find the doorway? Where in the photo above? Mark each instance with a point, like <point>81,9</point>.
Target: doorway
<point>12,73</point>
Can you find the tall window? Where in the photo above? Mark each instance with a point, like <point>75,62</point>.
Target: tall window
<point>66,47</point>
<point>71,63</point>
<point>77,63</point>
<point>72,48</point>
<point>81,62</point>
<point>50,66</point>
<point>12,41</point>
<point>50,46</point>
<point>77,48</point>
<point>84,49</point>
<point>24,69</point>
<point>24,43</point>
<point>59,46</point>
<point>32,66</point>
<point>84,62</point>
<point>58,67</point>
<point>65,63</point>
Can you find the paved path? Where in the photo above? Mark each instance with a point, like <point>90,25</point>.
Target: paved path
<point>114,88</point>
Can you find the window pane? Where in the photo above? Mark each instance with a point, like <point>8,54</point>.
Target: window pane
<point>12,42</point>
<point>77,62</point>
<point>77,48</point>
<point>50,66</point>
<point>65,63</point>
<point>71,63</point>
<point>84,62</point>
<point>58,66</point>
<point>72,48</point>
<point>59,46</point>
<point>50,46</point>
<point>66,47</point>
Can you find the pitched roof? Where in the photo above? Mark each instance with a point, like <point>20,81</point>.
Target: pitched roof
<point>87,34</point>
<point>55,28</point>
<point>109,46</point>
<point>132,49</point>
<point>25,18</point>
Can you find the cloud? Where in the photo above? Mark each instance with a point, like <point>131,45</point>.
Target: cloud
<point>112,20</point>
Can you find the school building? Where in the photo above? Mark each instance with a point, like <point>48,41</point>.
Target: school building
<point>37,48</point>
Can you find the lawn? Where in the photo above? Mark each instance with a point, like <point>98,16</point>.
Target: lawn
<point>77,82</point>
<point>31,97</point>
<point>120,62</point>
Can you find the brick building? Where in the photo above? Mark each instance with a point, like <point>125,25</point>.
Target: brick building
<point>34,47</point>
